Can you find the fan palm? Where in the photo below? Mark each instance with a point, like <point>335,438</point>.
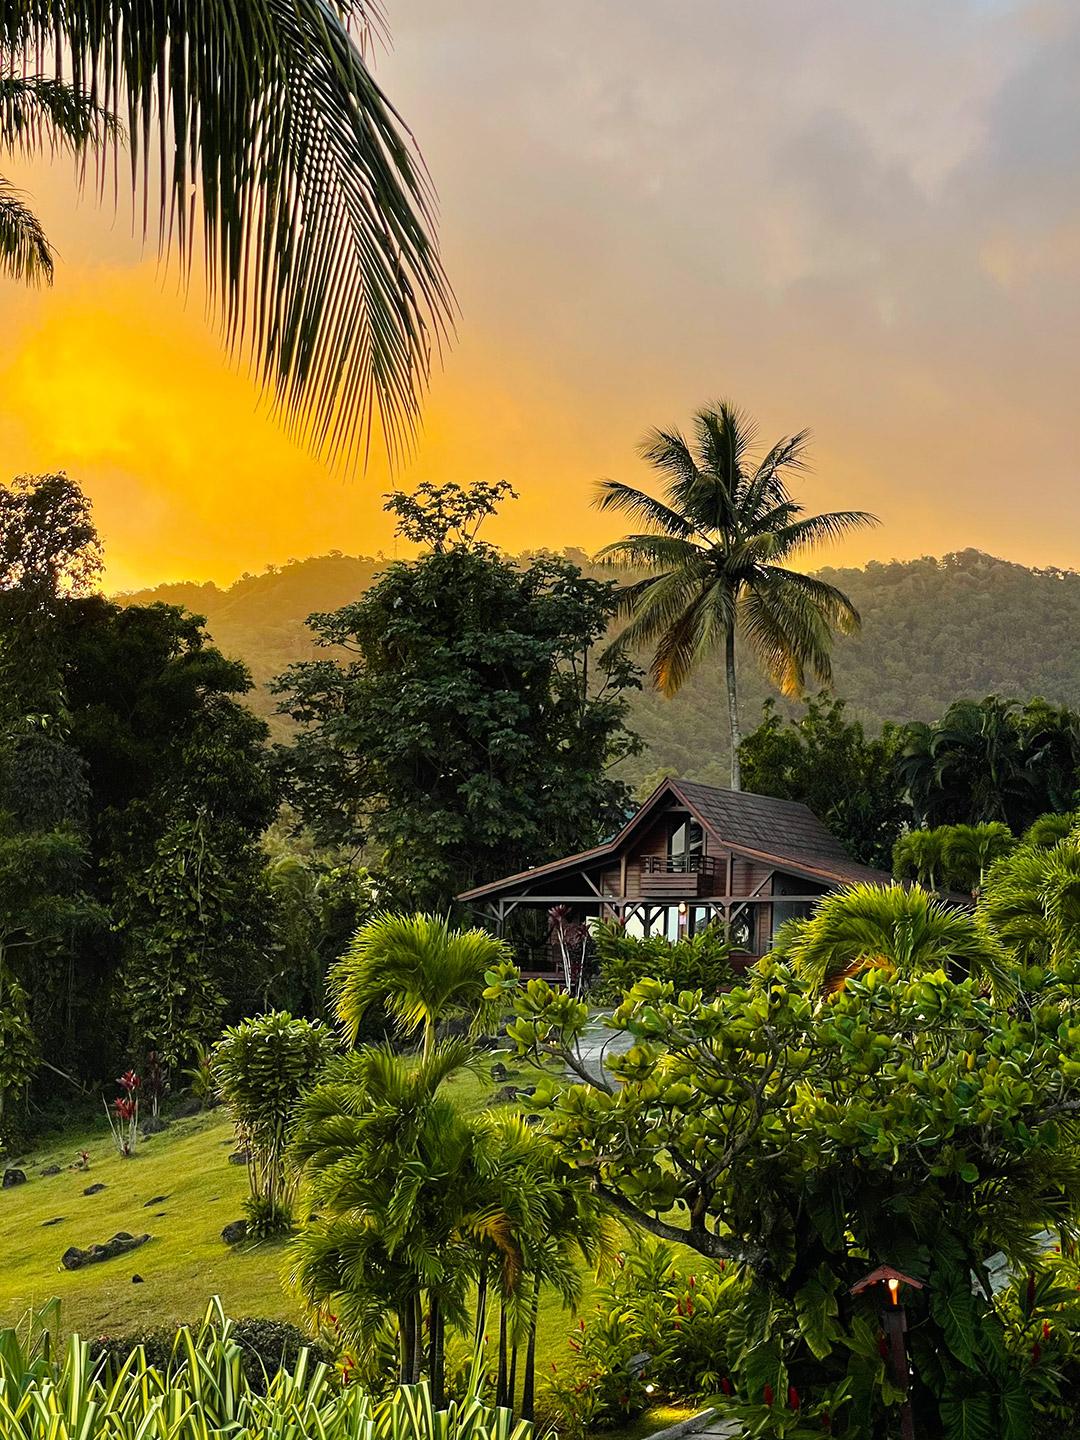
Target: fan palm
<point>419,967</point>
<point>717,548</point>
<point>888,927</point>
<point>314,210</point>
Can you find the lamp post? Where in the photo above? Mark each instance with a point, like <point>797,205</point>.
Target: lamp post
<point>894,1324</point>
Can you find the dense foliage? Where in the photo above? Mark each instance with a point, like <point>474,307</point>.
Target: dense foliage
<point>693,962</point>
<point>863,1099</point>
<point>473,727</point>
<point>825,760</point>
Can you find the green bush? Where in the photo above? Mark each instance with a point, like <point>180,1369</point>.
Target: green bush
<point>265,1346</point>
<point>698,962</point>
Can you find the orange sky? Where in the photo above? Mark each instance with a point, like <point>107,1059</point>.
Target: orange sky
<point>857,215</point>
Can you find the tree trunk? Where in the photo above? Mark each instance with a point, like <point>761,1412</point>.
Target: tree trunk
<point>733,707</point>
<point>405,1322</point>
<point>500,1382</point>
<point>528,1386</point>
<point>481,1304</point>
<point>511,1386</point>
<point>435,1352</point>
<point>418,1338</point>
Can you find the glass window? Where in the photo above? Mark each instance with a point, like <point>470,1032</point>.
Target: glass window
<point>686,839</point>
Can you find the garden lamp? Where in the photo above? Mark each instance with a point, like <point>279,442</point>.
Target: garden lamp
<point>894,1324</point>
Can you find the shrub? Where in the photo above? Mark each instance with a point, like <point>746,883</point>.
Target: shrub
<point>698,962</point>
<point>265,1347</point>
<point>262,1068</point>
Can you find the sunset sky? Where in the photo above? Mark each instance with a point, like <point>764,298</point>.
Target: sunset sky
<point>861,216</point>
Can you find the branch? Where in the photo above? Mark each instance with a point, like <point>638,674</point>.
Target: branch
<point>697,1237</point>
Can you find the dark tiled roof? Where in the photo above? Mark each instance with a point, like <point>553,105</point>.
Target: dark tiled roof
<point>778,832</point>
<point>778,829</point>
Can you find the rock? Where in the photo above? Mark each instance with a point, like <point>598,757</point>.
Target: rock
<point>75,1259</point>
<point>137,1280</point>
<point>238,1157</point>
<point>13,1178</point>
<point>51,1170</point>
<point>56,1220</point>
<point>499,1073</point>
<point>152,1125</point>
<point>94,1189</point>
<point>504,1096</point>
<point>188,1107</point>
<point>154,1200</point>
<point>234,1232</point>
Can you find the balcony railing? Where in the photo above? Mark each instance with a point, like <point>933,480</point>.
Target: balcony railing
<point>678,865</point>
<point>680,876</point>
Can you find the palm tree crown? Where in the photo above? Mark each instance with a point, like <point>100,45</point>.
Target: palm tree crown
<point>419,967</point>
<point>259,123</point>
<point>718,547</point>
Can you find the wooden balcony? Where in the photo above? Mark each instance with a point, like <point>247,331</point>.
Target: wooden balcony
<point>678,877</point>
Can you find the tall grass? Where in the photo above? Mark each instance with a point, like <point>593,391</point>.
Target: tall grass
<point>203,1394</point>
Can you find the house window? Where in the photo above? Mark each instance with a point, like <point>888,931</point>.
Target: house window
<point>685,842</point>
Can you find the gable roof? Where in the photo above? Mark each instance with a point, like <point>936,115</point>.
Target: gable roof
<point>784,833</point>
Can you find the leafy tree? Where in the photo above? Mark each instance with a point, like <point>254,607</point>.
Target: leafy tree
<point>315,212</point>
<point>418,967</point>
<point>716,548</point>
<point>992,760</point>
<point>473,729</point>
<point>811,1135</point>
<point>952,857</point>
<point>318,904</point>
<point>824,760</point>
<point>262,1067</point>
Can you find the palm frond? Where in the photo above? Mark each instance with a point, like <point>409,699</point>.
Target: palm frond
<point>614,495</point>
<point>836,609</point>
<point>812,530</point>
<point>652,552</point>
<point>316,214</point>
<point>39,113</point>
<point>25,252</point>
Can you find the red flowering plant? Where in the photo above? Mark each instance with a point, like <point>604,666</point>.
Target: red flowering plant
<point>123,1114</point>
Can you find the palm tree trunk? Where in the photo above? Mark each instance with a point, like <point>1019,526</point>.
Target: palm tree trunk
<point>511,1387</point>
<point>528,1385</point>
<point>418,1338</point>
<point>733,707</point>
<point>405,1322</point>
<point>481,1304</point>
<point>500,1381</point>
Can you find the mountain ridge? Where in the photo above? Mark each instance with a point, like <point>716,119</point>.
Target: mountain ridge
<point>935,629</point>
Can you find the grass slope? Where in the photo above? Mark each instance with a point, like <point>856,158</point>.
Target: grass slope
<point>186,1262</point>
<point>182,1266</point>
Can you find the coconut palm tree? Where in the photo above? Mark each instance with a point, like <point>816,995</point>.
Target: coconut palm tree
<point>718,547</point>
<point>419,967</point>
<point>887,927</point>
<point>261,145</point>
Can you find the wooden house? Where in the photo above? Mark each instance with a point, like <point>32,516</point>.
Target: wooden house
<point>692,855</point>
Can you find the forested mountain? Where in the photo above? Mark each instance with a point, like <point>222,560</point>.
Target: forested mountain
<point>934,630</point>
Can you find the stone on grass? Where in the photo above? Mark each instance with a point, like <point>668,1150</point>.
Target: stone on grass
<point>14,1177</point>
<point>94,1189</point>
<point>56,1220</point>
<point>152,1125</point>
<point>238,1157</point>
<point>154,1200</point>
<point>137,1280</point>
<point>51,1170</point>
<point>505,1095</point>
<point>499,1073</point>
<point>234,1232</point>
<point>75,1259</point>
